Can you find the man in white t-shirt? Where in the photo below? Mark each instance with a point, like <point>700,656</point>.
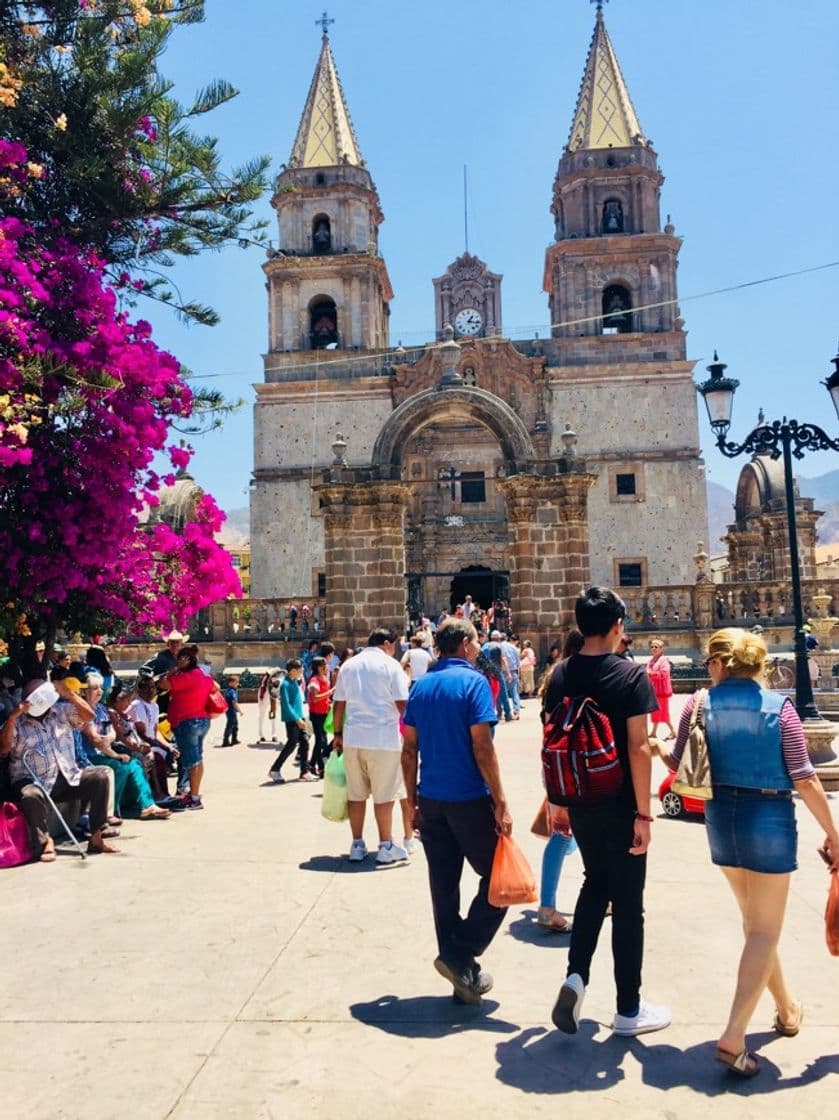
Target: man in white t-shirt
<point>370,696</point>
<point>416,660</point>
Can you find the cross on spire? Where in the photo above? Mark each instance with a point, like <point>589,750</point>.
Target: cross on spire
<point>599,4</point>
<point>324,22</point>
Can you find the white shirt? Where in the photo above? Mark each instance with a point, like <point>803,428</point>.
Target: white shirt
<point>146,712</point>
<point>370,683</point>
<point>418,660</point>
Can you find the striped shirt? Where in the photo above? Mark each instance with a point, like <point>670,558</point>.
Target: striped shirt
<point>793,744</point>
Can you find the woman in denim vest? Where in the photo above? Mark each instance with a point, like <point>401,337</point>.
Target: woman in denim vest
<point>758,756</point>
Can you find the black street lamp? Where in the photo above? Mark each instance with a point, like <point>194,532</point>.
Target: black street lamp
<point>780,438</point>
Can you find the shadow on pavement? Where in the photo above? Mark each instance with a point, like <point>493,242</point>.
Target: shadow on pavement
<point>542,1061</point>
<point>525,929</point>
<point>342,864</point>
<point>428,1016</point>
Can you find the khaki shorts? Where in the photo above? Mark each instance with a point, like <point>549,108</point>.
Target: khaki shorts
<point>373,771</point>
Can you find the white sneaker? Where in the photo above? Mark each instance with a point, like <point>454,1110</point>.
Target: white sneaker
<point>411,845</point>
<point>358,851</point>
<point>566,1012</point>
<point>650,1017</point>
<point>391,852</point>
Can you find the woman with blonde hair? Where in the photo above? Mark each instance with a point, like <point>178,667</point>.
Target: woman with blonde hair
<point>758,756</point>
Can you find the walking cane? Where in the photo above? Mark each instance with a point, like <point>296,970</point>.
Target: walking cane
<point>35,761</point>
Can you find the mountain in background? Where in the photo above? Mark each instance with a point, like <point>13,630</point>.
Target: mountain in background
<point>824,490</point>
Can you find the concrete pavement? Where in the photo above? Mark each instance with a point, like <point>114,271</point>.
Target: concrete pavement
<point>232,964</point>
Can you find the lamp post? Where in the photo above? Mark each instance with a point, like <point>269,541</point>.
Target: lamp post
<point>785,438</point>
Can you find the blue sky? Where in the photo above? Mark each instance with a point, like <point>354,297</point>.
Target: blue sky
<point>738,99</point>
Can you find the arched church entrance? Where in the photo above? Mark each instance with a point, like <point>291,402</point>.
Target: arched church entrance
<point>451,449</point>
<point>483,584</point>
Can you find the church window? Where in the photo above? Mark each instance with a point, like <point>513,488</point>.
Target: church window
<point>321,584</point>
<point>625,485</point>
<point>612,216</point>
<point>469,376</point>
<point>472,487</point>
<point>320,179</point>
<point>321,234</point>
<point>631,573</point>
<point>323,323</point>
<point>617,310</point>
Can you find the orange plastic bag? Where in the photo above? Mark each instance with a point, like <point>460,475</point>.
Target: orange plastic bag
<point>831,916</point>
<point>511,881</point>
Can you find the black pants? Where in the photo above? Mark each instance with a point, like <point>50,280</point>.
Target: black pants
<point>321,747</point>
<point>295,739</point>
<point>604,835</point>
<point>93,787</point>
<point>452,831</point>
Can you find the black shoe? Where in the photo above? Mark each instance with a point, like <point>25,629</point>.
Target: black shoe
<point>481,980</point>
<point>462,980</point>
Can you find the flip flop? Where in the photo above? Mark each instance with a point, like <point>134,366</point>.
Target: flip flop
<point>744,1064</point>
<point>789,1031</point>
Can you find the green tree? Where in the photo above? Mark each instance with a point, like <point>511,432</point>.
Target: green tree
<point>124,170</point>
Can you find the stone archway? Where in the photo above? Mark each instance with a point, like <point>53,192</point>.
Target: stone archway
<point>461,403</point>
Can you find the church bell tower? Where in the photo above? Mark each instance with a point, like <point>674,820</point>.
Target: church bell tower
<point>612,268</point>
<point>328,287</point>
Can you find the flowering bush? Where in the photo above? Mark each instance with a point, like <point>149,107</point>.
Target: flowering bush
<point>86,401</point>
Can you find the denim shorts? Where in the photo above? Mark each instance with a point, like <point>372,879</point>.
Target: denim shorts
<point>189,736</point>
<point>750,829</point>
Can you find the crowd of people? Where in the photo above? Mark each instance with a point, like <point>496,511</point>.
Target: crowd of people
<point>414,721</point>
<point>75,736</point>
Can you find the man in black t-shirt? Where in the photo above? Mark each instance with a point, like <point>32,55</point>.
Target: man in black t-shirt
<point>613,836</point>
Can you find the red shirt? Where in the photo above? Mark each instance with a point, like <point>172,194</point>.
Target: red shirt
<point>188,690</point>
<point>316,692</point>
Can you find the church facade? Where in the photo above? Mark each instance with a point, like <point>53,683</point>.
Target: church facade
<point>477,464</point>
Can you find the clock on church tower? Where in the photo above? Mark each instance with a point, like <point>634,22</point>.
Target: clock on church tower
<point>468,296</point>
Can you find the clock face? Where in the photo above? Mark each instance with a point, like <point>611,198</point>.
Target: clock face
<point>468,321</point>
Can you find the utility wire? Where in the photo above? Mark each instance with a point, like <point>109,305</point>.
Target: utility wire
<point>370,356</point>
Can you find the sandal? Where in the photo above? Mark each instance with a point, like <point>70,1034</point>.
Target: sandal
<point>115,821</point>
<point>48,855</point>
<point>789,1030</point>
<point>552,920</point>
<point>744,1064</point>
<point>155,813</point>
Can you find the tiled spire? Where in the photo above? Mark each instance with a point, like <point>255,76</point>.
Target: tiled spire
<point>605,116</point>
<point>325,137</point>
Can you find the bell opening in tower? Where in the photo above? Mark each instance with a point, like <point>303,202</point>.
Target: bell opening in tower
<point>617,310</point>
<point>323,323</point>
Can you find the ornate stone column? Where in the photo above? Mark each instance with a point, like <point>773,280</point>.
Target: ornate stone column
<point>364,552</point>
<point>549,548</point>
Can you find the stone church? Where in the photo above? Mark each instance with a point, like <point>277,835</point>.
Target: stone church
<point>389,479</point>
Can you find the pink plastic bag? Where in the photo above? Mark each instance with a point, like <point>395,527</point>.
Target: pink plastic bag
<point>14,838</point>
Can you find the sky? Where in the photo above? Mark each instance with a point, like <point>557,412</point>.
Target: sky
<point>738,99</point>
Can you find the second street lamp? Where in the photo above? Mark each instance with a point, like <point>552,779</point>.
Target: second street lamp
<point>781,438</point>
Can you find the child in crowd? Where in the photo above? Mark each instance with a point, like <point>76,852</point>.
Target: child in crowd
<point>231,725</point>
<point>291,713</point>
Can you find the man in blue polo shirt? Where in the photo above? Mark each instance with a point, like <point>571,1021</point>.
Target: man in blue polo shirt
<point>459,801</point>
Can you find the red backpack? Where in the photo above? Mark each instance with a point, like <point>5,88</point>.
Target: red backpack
<point>580,762</point>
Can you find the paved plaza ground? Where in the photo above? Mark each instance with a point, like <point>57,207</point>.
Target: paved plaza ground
<point>232,963</point>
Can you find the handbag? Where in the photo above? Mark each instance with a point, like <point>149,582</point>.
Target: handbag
<point>693,777</point>
<point>511,881</point>
<point>216,704</point>
<point>547,818</point>
<point>14,836</point>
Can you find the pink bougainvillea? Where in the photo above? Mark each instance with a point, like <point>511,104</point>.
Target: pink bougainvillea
<point>86,401</point>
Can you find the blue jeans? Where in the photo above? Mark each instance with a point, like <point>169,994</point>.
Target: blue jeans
<point>189,736</point>
<point>502,704</point>
<point>556,849</point>
<point>513,690</point>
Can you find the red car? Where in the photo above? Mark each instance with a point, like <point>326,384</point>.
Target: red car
<point>675,804</point>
